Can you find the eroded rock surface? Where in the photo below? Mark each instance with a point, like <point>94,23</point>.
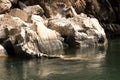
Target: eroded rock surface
<point>3,52</point>
<point>79,31</point>
<point>39,27</point>
<point>5,5</point>
<point>36,10</point>
<point>106,11</point>
<point>28,41</point>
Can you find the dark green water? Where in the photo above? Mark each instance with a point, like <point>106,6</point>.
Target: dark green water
<point>85,64</point>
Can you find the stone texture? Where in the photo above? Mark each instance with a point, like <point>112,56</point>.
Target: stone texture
<point>100,9</point>
<point>24,31</point>
<point>4,5</point>
<point>35,10</point>
<point>79,31</point>
<point>3,52</point>
<point>50,40</point>
<point>29,39</point>
<point>19,13</point>
<point>57,9</point>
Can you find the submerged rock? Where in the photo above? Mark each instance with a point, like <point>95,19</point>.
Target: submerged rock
<point>79,31</point>
<point>88,54</point>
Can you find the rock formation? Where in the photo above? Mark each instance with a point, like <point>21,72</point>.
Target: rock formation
<point>79,31</point>
<point>29,39</point>
<point>39,27</point>
<point>5,5</point>
<point>3,52</point>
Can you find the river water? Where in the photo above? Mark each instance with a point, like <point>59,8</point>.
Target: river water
<point>85,64</point>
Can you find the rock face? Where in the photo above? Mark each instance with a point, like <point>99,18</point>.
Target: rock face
<point>106,11</point>
<point>19,13</point>
<point>28,41</point>
<point>40,27</point>
<point>50,40</point>
<point>36,10</point>
<point>4,5</point>
<point>79,31</point>
<point>3,52</point>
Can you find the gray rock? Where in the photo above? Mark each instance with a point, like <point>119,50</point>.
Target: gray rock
<point>57,9</point>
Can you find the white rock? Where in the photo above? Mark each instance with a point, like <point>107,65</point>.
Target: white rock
<point>3,52</point>
<point>79,30</point>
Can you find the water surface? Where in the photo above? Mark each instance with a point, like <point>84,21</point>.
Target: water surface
<point>84,64</point>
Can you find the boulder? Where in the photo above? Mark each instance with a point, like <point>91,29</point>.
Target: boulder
<point>4,5</point>
<point>19,37</point>
<point>3,52</point>
<point>79,31</point>
<point>57,9</point>
<point>29,39</point>
<point>19,13</point>
<point>8,23</point>
<point>35,10</point>
<point>49,39</point>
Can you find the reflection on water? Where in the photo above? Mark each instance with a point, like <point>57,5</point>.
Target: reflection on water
<point>84,64</point>
<point>91,53</point>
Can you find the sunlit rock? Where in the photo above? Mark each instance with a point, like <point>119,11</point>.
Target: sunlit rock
<point>19,13</point>
<point>57,10</point>
<point>20,38</point>
<point>49,39</point>
<point>3,52</point>
<point>5,5</point>
<point>79,31</point>
<point>29,39</point>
